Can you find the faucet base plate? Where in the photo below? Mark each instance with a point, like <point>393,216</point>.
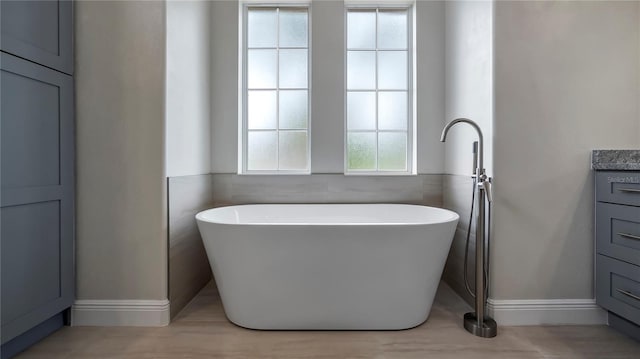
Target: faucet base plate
<point>488,329</point>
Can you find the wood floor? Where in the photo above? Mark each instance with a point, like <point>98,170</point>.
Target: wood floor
<point>202,331</point>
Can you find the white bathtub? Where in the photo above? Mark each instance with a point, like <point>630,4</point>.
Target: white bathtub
<point>327,266</point>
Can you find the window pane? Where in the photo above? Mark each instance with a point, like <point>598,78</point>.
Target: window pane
<point>392,151</point>
<point>361,70</point>
<point>293,68</point>
<point>293,109</point>
<point>392,110</point>
<point>293,28</point>
<point>392,29</point>
<point>262,110</point>
<point>293,150</point>
<point>361,151</point>
<point>392,70</point>
<point>361,29</point>
<point>261,150</point>
<point>262,69</point>
<point>262,28</point>
<point>361,111</point>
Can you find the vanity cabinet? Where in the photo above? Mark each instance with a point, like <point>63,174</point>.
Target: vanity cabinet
<point>618,248</point>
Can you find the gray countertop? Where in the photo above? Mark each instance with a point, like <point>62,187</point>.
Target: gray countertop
<point>618,160</point>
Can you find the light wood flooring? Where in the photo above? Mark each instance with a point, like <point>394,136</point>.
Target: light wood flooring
<point>202,331</point>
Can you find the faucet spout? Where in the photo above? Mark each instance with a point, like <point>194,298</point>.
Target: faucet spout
<point>443,137</point>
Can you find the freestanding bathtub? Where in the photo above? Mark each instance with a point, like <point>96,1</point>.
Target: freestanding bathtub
<point>327,266</point>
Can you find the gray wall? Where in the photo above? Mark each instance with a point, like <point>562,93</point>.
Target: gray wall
<point>188,143</point>
<point>188,87</point>
<point>121,193</point>
<point>566,82</point>
<point>565,72</point>
<point>469,93</point>
<point>469,81</point>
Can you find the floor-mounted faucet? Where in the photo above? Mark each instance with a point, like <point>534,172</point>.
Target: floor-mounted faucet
<point>478,323</point>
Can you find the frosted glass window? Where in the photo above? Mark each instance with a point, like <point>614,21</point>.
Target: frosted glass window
<point>293,68</point>
<point>293,27</point>
<point>262,110</point>
<point>275,116</point>
<point>361,148</point>
<point>392,110</point>
<point>392,154</point>
<point>361,29</point>
<point>262,147</point>
<point>294,110</point>
<point>361,111</point>
<point>392,29</point>
<point>379,90</point>
<point>263,27</point>
<point>293,150</point>
<point>392,70</point>
<point>262,69</point>
<point>361,70</point>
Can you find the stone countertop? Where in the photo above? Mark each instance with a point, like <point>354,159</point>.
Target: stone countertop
<point>618,160</point>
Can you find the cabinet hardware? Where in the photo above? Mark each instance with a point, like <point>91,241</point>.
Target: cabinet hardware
<point>630,190</point>
<point>628,294</point>
<point>627,235</point>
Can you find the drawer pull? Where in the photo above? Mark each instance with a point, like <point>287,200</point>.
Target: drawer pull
<point>630,236</point>
<point>628,294</point>
<point>630,190</point>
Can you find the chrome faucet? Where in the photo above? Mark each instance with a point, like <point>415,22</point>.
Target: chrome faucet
<point>480,156</point>
<point>478,323</point>
<point>478,159</point>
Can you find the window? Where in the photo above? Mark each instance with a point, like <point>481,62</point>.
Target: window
<point>379,91</point>
<point>276,90</point>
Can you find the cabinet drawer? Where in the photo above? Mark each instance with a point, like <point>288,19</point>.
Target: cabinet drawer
<point>618,187</point>
<point>618,287</point>
<point>618,231</point>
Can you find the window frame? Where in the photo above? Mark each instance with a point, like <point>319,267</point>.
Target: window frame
<point>243,131</point>
<point>411,86</point>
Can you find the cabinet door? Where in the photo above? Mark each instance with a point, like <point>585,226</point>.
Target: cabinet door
<point>37,198</point>
<point>39,31</point>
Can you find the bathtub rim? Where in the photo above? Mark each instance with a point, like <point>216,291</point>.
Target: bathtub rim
<point>453,216</point>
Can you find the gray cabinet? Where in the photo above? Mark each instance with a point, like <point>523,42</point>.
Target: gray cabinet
<point>37,171</point>
<point>39,31</point>
<point>618,248</point>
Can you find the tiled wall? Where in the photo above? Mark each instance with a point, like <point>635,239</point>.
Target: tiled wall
<point>189,268</point>
<point>327,188</point>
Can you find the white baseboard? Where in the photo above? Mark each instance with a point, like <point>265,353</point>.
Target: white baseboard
<point>113,313</point>
<point>547,312</point>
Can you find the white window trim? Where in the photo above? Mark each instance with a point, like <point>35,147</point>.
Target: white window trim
<point>243,87</point>
<point>408,5</point>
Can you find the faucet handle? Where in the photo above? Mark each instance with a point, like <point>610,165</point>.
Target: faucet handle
<point>486,184</point>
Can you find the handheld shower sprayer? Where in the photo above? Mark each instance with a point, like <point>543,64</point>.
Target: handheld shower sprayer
<point>475,157</point>
<point>478,323</point>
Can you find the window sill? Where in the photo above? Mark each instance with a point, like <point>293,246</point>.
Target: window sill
<point>274,173</point>
<point>381,174</point>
